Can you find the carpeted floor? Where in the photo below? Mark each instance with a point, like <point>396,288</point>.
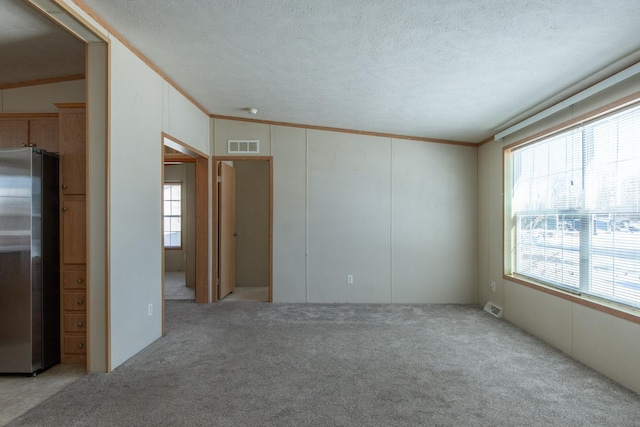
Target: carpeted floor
<point>260,364</point>
<point>175,288</point>
<point>248,293</point>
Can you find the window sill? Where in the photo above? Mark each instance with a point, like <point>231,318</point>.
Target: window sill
<point>620,311</point>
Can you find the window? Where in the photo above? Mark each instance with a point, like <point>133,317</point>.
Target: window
<point>172,215</point>
<point>575,209</point>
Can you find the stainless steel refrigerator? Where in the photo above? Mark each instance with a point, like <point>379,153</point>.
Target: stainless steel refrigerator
<point>29,261</point>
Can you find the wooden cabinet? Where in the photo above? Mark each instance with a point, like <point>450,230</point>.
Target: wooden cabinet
<point>74,315</point>
<point>38,130</point>
<point>14,132</point>
<point>74,279</point>
<point>75,347</point>
<point>72,151</point>
<point>74,323</point>
<point>73,234</point>
<point>73,301</point>
<point>43,133</point>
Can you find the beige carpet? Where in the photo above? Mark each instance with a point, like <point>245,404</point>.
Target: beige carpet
<point>246,293</point>
<point>259,364</point>
<point>175,288</point>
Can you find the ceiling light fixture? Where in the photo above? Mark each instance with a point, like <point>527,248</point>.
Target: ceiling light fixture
<point>251,110</point>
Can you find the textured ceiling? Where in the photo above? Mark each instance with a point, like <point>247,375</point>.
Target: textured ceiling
<point>454,70</point>
<point>32,47</point>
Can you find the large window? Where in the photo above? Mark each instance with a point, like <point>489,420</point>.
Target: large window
<point>173,216</point>
<point>575,209</point>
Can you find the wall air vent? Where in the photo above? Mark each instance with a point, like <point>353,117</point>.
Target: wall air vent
<point>243,146</point>
<point>493,309</point>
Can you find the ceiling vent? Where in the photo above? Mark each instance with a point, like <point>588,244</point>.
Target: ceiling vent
<point>493,309</point>
<point>243,146</point>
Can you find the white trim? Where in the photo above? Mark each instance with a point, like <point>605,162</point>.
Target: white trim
<point>580,96</point>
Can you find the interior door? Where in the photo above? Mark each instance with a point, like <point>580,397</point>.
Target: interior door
<point>226,229</point>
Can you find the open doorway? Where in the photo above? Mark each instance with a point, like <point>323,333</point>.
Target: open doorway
<point>244,232</point>
<point>189,203</point>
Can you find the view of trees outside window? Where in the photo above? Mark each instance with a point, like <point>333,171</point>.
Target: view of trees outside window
<point>576,209</point>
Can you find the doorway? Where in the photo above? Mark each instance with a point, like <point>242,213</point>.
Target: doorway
<point>245,240</point>
<point>176,152</point>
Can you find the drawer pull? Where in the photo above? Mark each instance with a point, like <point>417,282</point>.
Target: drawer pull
<point>78,280</point>
<point>80,302</point>
<point>80,345</point>
<point>64,209</point>
<point>64,186</point>
<point>79,324</point>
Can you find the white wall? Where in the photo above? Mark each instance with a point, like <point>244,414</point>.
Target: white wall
<point>41,98</point>
<point>364,205</point>
<point>348,217</point>
<point>135,178</point>
<point>289,213</point>
<point>141,108</point>
<point>434,224</point>
<point>604,342</point>
<point>182,120</point>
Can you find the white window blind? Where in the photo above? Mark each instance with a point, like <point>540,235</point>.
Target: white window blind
<point>172,215</point>
<point>576,208</point>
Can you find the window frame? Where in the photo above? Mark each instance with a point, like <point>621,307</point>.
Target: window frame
<point>616,309</point>
<point>164,216</point>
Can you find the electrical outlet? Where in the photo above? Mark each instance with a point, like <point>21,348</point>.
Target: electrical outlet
<point>493,286</point>
<point>349,279</point>
<point>150,310</point>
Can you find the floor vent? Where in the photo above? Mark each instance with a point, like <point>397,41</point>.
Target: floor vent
<point>243,146</point>
<point>493,309</point>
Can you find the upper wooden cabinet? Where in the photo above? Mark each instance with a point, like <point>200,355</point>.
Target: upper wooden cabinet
<point>39,130</point>
<point>14,132</point>
<point>72,140</point>
<point>43,133</point>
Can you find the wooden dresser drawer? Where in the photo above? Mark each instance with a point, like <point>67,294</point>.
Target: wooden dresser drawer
<point>75,344</point>
<point>74,301</point>
<point>75,323</point>
<point>74,279</point>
